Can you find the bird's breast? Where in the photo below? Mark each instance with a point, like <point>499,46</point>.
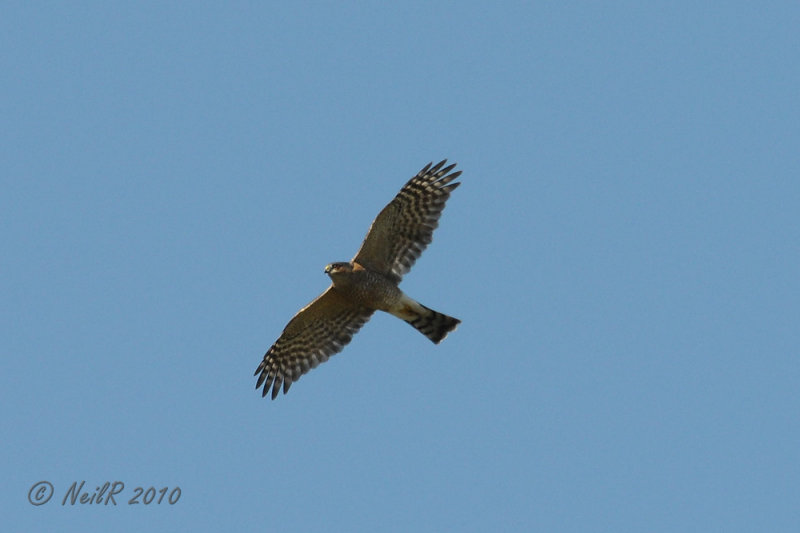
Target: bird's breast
<point>370,289</point>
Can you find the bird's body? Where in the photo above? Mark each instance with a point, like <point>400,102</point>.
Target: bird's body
<point>368,288</point>
<point>367,284</point>
<point>380,293</point>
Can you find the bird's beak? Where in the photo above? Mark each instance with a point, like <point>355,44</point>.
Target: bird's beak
<point>328,269</point>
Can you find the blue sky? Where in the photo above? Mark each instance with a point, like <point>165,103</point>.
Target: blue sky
<point>623,252</point>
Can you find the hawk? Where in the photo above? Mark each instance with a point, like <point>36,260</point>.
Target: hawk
<point>369,282</point>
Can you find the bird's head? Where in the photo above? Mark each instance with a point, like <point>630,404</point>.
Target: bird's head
<point>338,268</point>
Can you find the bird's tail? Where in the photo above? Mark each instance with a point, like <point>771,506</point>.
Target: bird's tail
<point>432,324</point>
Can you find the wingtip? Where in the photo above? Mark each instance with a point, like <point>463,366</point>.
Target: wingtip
<point>437,166</point>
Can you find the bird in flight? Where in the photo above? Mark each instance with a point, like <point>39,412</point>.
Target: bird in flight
<point>369,282</point>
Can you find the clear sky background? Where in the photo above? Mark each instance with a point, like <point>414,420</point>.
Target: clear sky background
<point>624,253</point>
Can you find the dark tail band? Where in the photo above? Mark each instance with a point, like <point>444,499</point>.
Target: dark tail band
<point>434,325</point>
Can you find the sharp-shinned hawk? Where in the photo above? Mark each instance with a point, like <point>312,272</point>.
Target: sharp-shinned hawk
<point>397,237</point>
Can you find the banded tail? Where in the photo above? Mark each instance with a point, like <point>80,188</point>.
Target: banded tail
<point>433,324</point>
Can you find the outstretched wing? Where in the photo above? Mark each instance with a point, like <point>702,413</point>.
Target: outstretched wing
<point>318,331</point>
<point>404,228</point>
